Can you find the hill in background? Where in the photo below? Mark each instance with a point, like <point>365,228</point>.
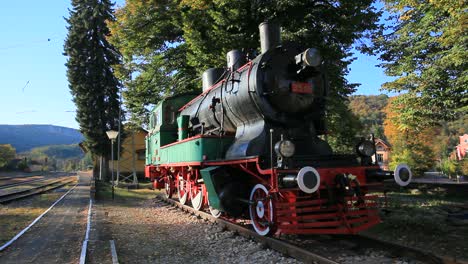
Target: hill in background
<point>56,152</point>
<point>370,111</point>
<point>27,137</point>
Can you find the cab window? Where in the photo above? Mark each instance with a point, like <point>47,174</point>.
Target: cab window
<point>169,114</point>
<point>154,119</point>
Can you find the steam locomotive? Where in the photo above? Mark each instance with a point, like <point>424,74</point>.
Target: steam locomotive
<point>250,147</point>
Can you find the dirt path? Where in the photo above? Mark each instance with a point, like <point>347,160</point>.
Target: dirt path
<point>57,237</point>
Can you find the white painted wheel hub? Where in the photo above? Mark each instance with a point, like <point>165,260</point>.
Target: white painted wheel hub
<point>260,209</point>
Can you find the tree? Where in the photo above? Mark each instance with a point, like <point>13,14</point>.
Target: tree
<point>91,78</point>
<point>425,48</point>
<point>410,144</point>
<point>7,153</point>
<point>463,166</point>
<point>150,37</point>
<point>167,44</point>
<point>448,167</point>
<point>370,111</point>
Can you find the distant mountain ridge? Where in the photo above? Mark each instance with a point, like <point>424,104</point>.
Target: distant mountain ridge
<point>26,137</point>
<point>72,151</point>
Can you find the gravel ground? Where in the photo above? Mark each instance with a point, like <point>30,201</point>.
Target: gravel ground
<point>347,251</point>
<point>150,231</point>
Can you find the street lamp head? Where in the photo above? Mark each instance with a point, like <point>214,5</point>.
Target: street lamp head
<point>112,135</point>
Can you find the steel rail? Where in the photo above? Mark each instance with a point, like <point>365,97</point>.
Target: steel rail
<point>306,256</point>
<point>29,189</point>
<point>406,251</point>
<point>33,191</point>
<point>19,177</point>
<point>4,186</point>
<point>275,244</point>
<point>11,241</point>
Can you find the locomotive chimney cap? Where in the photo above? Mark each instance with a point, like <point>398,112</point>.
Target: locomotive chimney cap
<point>270,35</point>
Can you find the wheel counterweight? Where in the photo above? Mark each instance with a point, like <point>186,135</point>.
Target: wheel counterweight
<point>196,196</point>
<point>183,189</point>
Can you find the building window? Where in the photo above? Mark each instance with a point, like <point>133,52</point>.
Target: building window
<point>379,147</point>
<point>140,154</point>
<point>379,157</point>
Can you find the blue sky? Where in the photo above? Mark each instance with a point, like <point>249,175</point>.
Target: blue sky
<point>33,82</point>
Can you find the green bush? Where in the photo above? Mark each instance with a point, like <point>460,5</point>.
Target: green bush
<point>448,167</point>
<point>23,165</point>
<point>7,153</point>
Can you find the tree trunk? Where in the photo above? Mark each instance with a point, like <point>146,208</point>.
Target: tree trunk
<point>96,167</point>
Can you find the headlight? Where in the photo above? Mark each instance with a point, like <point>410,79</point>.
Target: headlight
<point>366,148</point>
<point>312,57</point>
<point>285,148</point>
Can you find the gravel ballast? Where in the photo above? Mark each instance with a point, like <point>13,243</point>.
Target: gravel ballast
<point>151,231</point>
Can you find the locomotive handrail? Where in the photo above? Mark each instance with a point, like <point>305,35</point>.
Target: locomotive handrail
<point>242,68</point>
<point>202,94</point>
<point>193,138</point>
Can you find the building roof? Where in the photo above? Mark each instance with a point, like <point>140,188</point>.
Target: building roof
<point>383,142</point>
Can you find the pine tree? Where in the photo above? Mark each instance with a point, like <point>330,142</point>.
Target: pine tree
<point>92,83</point>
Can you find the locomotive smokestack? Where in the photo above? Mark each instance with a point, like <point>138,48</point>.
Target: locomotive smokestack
<point>235,59</point>
<point>270,36</point>
<point>211,76</point>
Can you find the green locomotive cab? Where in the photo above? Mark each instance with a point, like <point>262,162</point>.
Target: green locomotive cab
<point>168,141</point>
<point>163,128</point>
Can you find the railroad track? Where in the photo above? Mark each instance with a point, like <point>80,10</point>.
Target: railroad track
<point>304,250</point>
<point>276,244</point>
<point>8,185</point>
<point>20,194</point>
<point>13,178</point>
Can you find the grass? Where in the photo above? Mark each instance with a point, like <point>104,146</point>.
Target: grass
<point>124,195</point>
<point>17,215</point>
<point>422,219</point>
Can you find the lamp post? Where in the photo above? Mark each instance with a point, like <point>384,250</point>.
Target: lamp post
<point>112,135</point>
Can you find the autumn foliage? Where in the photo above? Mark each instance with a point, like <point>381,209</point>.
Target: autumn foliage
<point>412,145</point>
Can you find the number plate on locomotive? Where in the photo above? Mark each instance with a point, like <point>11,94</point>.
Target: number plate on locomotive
<point>301,87</point>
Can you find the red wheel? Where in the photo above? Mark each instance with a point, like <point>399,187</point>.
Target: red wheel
<point>183,189</point>
<point>214,212</point>
<point>261,211</point>
<point>196,195</point>
<point>168,187</point>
